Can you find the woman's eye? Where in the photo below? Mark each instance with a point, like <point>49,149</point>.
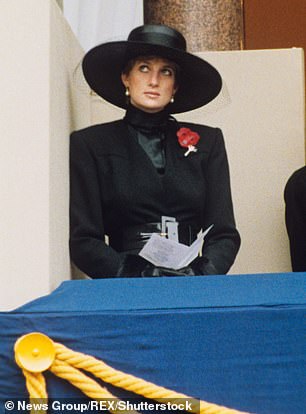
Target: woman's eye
<point>167,72</point>
<point>143,68</point>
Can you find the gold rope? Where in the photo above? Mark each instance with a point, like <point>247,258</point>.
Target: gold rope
<point>81,381</point>
<point>130,383</point>
<point>68,363</point>
<point>36,386</point>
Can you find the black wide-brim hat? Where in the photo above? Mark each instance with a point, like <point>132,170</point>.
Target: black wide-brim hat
<point>199,82</point>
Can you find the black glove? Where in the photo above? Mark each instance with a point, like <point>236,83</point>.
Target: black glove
<point>133,265</point>
<point>201,266</point>
<point>154,271</point>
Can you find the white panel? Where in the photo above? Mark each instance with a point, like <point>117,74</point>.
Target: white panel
<point>98,21</point>
<point>264,127</point>
<point>37,91</point>
<point>24,119</point>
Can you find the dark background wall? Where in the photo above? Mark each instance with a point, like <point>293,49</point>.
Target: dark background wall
<point>270,24</point>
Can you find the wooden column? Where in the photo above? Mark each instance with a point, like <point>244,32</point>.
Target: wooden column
<point>206,24</point>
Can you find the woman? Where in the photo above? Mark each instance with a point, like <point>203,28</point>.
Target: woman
<point>129,175</point>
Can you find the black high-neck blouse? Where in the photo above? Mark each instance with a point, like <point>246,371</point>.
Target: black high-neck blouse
<point>149,131</point>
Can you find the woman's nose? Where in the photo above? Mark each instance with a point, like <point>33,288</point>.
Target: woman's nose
<point>154,79</point>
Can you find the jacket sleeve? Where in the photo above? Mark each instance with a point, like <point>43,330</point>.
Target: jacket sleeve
<point>88,249</point>
<point>223,241</point>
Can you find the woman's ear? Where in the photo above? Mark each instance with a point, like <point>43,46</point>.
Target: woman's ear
<point>124,79</point>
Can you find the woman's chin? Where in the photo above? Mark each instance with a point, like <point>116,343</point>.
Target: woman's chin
<point>150,107</point>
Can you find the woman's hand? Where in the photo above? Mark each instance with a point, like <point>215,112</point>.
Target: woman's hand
<point>134,265</point>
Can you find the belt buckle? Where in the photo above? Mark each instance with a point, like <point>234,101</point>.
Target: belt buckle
<point>169,228</point>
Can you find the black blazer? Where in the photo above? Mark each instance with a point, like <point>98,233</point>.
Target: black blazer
<point>113,184</point>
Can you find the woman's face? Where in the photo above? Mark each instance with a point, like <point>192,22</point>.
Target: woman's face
<point>151,83</point>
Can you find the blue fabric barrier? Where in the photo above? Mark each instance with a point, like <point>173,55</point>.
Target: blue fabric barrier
<point>237,341</point>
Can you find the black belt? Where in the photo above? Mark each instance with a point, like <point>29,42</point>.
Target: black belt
<point>132,239</point>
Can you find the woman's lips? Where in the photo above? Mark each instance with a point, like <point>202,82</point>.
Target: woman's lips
<point>152,94</point>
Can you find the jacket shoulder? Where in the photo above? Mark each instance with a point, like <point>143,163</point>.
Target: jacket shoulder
<point>209,136</point>
<point>200,128</point>
<point>98,137</point>
<point>98,129</point>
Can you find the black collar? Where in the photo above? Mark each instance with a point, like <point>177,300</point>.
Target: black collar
<point>146,122</point>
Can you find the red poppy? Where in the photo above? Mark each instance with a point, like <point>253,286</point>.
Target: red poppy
<point>186,137</point>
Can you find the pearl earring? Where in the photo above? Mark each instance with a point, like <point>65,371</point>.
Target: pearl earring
<point>127,92</point>
<point>172,99</point>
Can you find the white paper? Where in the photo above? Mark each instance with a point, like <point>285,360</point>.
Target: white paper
<point>163,252</point>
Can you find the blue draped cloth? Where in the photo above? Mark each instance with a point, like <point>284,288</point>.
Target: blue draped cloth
<point>237,341</point>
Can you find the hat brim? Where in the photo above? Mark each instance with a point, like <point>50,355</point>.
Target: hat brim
<point>102,66</point>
